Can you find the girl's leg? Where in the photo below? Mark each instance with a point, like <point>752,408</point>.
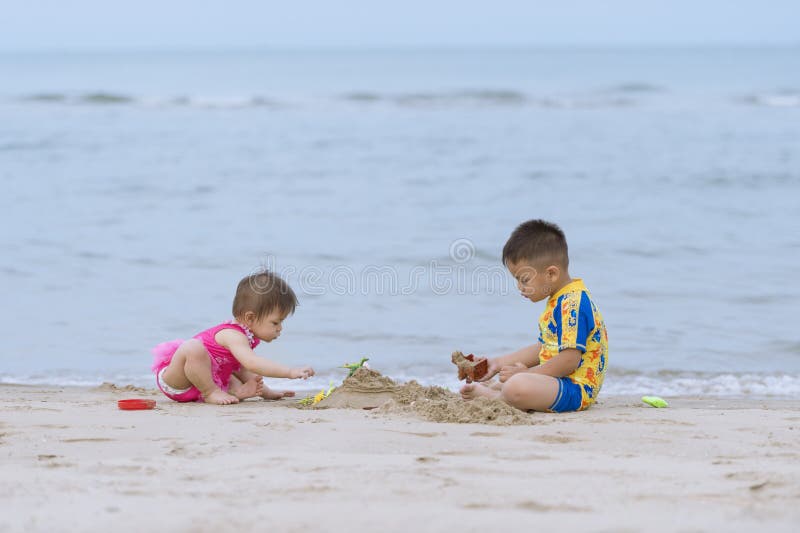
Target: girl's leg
<point>245,378</point>
<point>191,365</point>
<point>245,384</point>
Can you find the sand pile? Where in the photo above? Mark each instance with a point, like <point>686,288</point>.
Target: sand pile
<point>367,389</point>
<point>440,405</point>
<point>113,387</point>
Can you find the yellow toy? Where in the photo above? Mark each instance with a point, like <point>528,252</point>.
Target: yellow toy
<point>318,397</point>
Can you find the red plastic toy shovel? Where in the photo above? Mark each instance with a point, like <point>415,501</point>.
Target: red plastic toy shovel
<point>136,404</point>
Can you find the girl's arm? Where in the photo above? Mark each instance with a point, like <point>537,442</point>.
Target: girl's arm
<point>239,346</point>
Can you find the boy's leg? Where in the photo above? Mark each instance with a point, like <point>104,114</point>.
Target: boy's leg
<point>527,391</point>
<point>479,390</point>
<point>191,366</point>
<point>524,391</point>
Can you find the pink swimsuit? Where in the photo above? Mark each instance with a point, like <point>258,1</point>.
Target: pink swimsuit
<point>223,363</point>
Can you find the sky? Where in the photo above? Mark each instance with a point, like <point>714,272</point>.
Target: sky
<point>104,24</point>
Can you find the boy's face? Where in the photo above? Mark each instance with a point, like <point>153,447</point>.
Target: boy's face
<point>534,284</point>
<point>268,328</point>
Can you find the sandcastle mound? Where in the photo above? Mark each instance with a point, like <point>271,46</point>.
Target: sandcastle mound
<point>365,389</point>
<point>368,389</point>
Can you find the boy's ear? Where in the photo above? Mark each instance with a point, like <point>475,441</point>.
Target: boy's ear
<point>552,272</point>
<point>249,317</point>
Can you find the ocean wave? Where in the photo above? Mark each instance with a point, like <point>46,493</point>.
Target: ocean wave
<point>101,98</point>
<point>617,382</point>
<point>673,383</point>
<point>783,98</point>
<point>637,87</point>
<point>735,179</point>
<point>424,100</point>
<point>489,97</point>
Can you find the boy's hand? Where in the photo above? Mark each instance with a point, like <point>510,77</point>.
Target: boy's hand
<point>492,368</point>
<point>508,371</point>
<point>303,372</point>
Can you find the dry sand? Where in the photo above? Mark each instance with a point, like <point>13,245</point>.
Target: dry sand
<point>71,461</point>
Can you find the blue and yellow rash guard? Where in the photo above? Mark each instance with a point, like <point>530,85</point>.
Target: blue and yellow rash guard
<point>571,320</point>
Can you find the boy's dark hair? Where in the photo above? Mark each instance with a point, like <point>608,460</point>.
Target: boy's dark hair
<point>537,241</point>
<point>261,293</point>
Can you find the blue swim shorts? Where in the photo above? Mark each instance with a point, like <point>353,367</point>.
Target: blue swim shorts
<point>569,396</point>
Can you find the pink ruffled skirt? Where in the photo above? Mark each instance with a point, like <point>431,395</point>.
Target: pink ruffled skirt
<point>162,356</point>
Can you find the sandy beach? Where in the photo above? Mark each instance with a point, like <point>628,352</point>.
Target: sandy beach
<point>71,461</point>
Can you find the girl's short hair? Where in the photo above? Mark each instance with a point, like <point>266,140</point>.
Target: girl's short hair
<point>263,292</point>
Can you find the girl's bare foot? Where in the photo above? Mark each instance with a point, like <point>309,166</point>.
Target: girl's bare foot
<point>220,397</point>
<point>476,390</point>
<point>270,394</point>
<point>249,389</point>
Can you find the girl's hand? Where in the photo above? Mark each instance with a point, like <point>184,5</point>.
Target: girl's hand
<point>303,372</point>
<point>508,371</point>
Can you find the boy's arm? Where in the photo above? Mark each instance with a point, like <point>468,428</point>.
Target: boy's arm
<point>561,365</point>
<point>528,356</point>
<point>239,346</point>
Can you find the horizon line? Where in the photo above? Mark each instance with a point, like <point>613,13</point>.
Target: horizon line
<point>404,47</point>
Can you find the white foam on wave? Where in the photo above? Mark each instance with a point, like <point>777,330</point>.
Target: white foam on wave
<point>719,385</point>
<point>738,385</point>
<point>777,99</point>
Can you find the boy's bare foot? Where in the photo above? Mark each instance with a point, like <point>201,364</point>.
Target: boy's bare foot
<point>220,397</point>
<point>476,390</point>
<point>271,394</point>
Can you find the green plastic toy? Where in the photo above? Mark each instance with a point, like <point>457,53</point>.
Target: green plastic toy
<point>355,366</point>
<point>655,401</point>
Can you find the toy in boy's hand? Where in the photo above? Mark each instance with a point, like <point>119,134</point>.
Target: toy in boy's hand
<point>318,397</point>
<point>470,367</point>
<point>355,366</point>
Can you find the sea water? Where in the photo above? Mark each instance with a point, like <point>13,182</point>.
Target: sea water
<point>139,187</point>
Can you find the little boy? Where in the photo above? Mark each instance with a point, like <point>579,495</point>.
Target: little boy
<point>564,370</point>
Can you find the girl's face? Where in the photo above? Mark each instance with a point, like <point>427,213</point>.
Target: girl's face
<point>268,328</point>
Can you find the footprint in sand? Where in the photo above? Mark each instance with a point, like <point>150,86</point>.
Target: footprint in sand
<point>476,505</point>
<point>98,439</point>
<point>556,439</point>
<point>416,434</point>
<point>530,505</point>
<point>49,461</point>
<point>484,434</point>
